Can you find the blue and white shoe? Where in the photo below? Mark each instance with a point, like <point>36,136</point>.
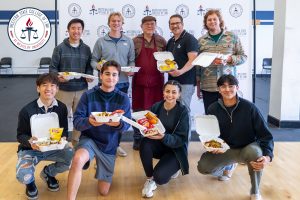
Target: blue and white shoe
<point>227,172</point>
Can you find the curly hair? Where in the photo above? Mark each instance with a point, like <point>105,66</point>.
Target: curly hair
<point>211,12</point>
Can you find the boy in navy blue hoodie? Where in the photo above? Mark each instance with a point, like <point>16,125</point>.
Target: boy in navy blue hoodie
<point>99,140</point>
<point>244,129</point>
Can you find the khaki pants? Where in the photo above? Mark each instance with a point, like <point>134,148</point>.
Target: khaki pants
<point>71,99</point>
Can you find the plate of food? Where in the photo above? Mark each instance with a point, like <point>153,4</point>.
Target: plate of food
<point>101,62</point>
<point>52,142</point>
<point>150,121</point>
<point>114,116</point>
<point>165,61</point>
<point>47,144</point>
<point>215,144</point>
<point>70,75</point>
<point>89,76</point>
<point>166,65</point>
<point>130,69</point>
<point>207,127</point>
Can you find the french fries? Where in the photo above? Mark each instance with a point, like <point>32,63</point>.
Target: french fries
<point>213,144</point>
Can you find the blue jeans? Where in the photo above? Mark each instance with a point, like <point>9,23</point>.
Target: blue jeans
<point>214,164</point>
<point>186,98</point>
<point>186,95</point>
<point>28,159</point>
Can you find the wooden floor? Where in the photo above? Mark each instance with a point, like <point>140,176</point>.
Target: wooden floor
<point>280,180</point>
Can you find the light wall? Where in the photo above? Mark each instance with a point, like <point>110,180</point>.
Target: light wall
<point>264,36</point>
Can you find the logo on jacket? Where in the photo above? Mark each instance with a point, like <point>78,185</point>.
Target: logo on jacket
<point>236,10</point>
<point>29,29</point>
<point>182,10</point>
<point>128,11</point>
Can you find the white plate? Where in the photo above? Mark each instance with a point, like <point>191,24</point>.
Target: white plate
<point>130,69</point>
<point>224,148</point>
<point>206,58</point>
<point>70,75</point>
<point>89,76</point>
<point>141,114</point>
<point>114,118</point>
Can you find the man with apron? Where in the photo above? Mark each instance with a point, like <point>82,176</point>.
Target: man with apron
<point>148,82</point>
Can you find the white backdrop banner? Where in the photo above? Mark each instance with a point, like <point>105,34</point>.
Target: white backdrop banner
<point>236,13</point>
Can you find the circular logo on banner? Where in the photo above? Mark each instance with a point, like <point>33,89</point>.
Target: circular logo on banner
<point>159,31</point>
<point>182,10</point>
<point>102,31</point>
<point>128,11</point>
<point>29,29</point>
<point>236,10</point>
<point>74,10</point>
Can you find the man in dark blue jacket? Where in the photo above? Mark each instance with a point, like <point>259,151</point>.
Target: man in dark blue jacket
<point>243,128</point>
<point>98,139</point>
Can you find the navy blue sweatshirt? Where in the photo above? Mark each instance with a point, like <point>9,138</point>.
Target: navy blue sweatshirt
<point>96,100</point>
<point>243,125</point>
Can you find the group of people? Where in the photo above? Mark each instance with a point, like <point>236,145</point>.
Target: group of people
<point>241,124</point>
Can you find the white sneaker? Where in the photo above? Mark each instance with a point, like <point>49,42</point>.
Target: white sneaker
<point>121,152</point>
<point>175,175</point>
<point>148,189</point>
<point>255,197</point>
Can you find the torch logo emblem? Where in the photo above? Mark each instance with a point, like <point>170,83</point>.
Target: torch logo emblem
<point>29,29</point>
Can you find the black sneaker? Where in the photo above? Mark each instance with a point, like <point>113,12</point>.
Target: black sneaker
<point>136,144</point>
<point>51,181</point>
<point>31,191</point>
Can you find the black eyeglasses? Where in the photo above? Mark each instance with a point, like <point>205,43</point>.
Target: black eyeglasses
<point>175,23</point>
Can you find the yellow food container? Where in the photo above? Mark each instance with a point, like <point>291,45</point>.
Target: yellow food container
<point>55,133</point>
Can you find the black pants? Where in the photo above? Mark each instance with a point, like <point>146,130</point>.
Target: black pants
<point>209,98</point>
<point>167,164</point>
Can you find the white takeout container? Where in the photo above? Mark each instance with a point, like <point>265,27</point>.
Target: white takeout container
<point>113,118</point>
<point>40,125</point>
<point>133,123</point>
<point>70,75</point>
<point>62,143</point>
<point>141,114</point>
<point>130,69</point>
<point>161,57</point>
<point>206,58</point>
<point>207,127</point>
<point>88,76</point>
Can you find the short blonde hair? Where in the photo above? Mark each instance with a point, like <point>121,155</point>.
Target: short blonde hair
<point>115,14</point>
